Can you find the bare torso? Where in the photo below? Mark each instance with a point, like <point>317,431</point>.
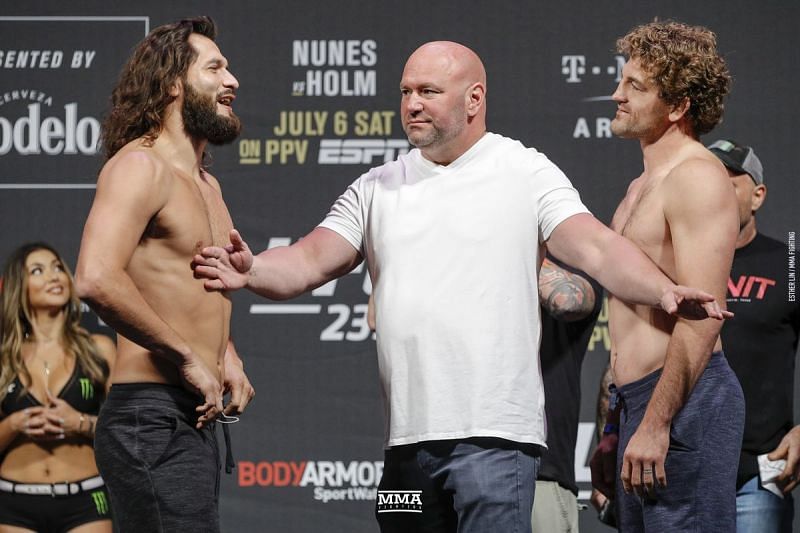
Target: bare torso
<point>194,216</point>
<point>640,334</point>
<point>53,461</point>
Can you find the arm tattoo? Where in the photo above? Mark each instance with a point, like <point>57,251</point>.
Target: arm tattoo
<point>566,296</point>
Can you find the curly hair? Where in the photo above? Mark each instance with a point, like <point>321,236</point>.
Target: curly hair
<point>142,92</point>
<point>684,62</point>
<point>15,324</point>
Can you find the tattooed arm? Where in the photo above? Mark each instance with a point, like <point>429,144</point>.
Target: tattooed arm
<point>566,296</point>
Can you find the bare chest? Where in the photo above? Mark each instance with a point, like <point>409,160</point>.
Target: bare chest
<point>195,217</point>
<point>640,217</point>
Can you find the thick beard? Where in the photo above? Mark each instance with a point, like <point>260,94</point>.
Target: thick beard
<point>201,120</point>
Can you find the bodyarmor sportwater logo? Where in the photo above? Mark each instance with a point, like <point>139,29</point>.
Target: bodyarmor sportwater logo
<point>87,389</point>
<point>100,502</point>
<point>332,480</point>
<point>399,501</point>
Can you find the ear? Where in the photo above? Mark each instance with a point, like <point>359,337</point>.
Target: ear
<point>759,195</point>
<point>680,109</point>
<point>176,88</point>
<point>475,96</point>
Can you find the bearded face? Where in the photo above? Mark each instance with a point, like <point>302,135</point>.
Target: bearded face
<point>201,120</point>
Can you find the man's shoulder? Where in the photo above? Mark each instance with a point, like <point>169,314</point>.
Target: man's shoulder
<point>135,157</point>
<point>697,169</point>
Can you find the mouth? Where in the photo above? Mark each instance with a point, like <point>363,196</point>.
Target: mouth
<point>58,289</point>
<point>416,122</point>
<point>226,100</point>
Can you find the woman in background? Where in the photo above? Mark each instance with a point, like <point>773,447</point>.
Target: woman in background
<point>53,378</point>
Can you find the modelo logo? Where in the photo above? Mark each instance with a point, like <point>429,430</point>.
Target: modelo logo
<point>32,134</point>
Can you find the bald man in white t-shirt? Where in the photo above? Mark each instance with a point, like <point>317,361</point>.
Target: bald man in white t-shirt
<point>453,234</point>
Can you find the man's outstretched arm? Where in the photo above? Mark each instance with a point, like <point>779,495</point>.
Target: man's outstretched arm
<point>279,273</point>
<point>583,242</point>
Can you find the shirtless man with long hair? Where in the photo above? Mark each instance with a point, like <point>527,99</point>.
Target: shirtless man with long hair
<point>156,206</point>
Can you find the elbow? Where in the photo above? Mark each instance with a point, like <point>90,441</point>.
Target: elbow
<point>89,285</point>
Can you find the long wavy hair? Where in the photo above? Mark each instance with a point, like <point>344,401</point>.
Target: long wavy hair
<point>684,62</point>
<point>15,324</point>
<point>142,93</point>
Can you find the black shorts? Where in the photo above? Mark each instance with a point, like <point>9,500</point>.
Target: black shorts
<point>49,514</point>
<point>161,472</point>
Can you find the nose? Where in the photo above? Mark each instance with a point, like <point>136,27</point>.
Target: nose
<point>618,96</point>
<point>413,103</point>
<point>230,80</point>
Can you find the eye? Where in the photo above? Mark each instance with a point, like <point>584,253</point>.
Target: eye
<point>35,271</point>
<point>405,92</point>
<point>59,268</point>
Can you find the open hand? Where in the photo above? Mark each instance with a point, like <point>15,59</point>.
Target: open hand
<point>692,304</point>
<point>226,268</point>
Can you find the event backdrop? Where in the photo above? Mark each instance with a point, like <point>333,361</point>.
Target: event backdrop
<point>319,103</point>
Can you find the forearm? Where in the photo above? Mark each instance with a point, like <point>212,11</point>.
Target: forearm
<point>86,425</point>
<point>289,271</point>
<point>8,433</point>
<point>623,269</point>
<point>615,262</point>
<point>117,300</point>
<point>688,353</point>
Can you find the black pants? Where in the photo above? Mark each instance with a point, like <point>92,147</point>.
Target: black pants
<point>162,474</point>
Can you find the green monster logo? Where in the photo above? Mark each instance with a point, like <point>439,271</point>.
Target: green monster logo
<point>100,501</point>
<point>87,389</point>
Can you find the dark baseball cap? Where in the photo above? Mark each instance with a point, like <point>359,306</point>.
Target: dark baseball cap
<point>739,158</point>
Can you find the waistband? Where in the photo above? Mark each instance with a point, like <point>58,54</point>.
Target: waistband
<point>187,402</point>
<point>647,383</point>
<point>52,489</point>
<point>138,393</point>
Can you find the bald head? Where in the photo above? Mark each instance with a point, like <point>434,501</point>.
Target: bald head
<point>455,60</point>
<point>443,109</point>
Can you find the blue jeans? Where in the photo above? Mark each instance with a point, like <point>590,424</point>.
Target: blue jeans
<point>466,486</point>
<point>760,511</point>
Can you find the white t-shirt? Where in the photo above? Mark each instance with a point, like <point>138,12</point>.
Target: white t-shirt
<point>453,252</point>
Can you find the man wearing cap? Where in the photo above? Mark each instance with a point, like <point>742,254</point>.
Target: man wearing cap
<point>761,343</point>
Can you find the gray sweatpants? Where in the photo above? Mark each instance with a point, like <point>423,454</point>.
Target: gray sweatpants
<point>703,456</point>
<point>162,474</point>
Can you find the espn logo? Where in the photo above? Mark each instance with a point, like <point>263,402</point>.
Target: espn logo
<point>360,151</point>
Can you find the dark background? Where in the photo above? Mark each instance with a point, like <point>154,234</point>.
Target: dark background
<point>318,405</point>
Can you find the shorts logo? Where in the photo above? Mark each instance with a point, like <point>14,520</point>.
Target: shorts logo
<point>87,389</point>
<point>399,501</point>
<point>100,502</point>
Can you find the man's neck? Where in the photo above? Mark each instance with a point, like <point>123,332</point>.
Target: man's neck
<point>746,234</point>
<point>183,151</point>
<point>447,155</point>
<point>666,150</point>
